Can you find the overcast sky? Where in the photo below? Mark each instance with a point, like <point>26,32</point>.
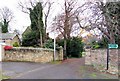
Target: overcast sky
<point>21,20</point>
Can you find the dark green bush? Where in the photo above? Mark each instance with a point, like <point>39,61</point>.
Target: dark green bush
<point>50,44</point>
<point>31,39</point>
<point>74,47</point>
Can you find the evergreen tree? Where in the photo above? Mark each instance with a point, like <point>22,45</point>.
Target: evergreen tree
<point>36,17</point>
<point>37,33</point>
<point>5,26</point>
<point>6,17</point>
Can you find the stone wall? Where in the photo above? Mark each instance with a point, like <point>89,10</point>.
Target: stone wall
<point>98,58</point>
<point>32,54</point>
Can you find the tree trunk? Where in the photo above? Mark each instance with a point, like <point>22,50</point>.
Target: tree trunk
<point>45,37</point>
<point>41,40</point>
<point>65,51</point>
<point>112,39</point>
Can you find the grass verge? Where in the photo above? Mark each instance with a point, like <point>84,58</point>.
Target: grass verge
<point>2,77</point>
<point>56,62</point>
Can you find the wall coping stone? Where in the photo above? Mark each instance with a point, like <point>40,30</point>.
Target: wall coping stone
<point>31,48</point>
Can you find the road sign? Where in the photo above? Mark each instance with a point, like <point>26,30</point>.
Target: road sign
<point>112,45</point>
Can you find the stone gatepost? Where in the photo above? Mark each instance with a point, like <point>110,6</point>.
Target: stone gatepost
<point>61,53</point>
<point>88,57</point>
<point>2,52</point>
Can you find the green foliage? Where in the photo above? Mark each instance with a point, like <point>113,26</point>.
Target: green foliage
<point>74,46</point>
<point>5,26</point>
<point>103,43</point>
<point>4,77</point>
<point>16,44</point>
<point>50,44</point>
<point>0,24</point>
<point>94,45</point>
<point>61,42</point>
<point>36,17</point>
<point>56,62</point>
<point>30,39</point>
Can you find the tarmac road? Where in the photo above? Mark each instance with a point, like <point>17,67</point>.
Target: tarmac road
<point>68,69</point>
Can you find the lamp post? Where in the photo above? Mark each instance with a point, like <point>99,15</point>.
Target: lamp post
<point>54,47</point>
<point>54,44</point>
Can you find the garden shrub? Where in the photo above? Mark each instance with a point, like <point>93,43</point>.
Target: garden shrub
<point>50,44</point>
<point>94,45</point>
<point>74,46</point>
<point>31,39</point>
<point>16,44</point>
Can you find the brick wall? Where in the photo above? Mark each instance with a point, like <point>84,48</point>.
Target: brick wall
<point>98,58</point>
<point>32,54</point>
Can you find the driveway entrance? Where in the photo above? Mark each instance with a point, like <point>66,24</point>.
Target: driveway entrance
<point>69,69</point>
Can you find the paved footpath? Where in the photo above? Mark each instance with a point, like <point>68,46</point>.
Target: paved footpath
<point>68,69</point>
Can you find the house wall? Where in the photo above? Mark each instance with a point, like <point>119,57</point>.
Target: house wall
<point>15,39</point>
<point>98,58</point>
<point>32,54</point>
<point>8,42</point>
<point>12,41</point>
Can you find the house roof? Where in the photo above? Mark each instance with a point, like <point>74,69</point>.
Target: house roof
<point>7,35</point>
<point>26,30</point>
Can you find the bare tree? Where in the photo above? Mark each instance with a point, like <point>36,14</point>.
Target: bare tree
<point>16,31</point>
<point>66,22</point>
<point>103,18</point>
<point>6,14</point>
<point>111,14</point>
<point>27,5</point>
<point>6,17</point>
<point>48,6</point>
